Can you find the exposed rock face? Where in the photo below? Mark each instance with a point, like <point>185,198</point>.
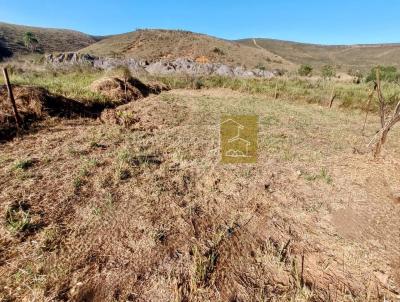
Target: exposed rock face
<point>162,67</point>
<point>70,58</point>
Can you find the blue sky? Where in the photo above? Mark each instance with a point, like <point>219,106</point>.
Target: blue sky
<point>324,22</point>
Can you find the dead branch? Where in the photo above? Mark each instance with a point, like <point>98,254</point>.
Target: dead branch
<point>276,91</point>
<point>370,95</point>
<point>332,98</point>
<point>380,138</point>
<point>381,99</point>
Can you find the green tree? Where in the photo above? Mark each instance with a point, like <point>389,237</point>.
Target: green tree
<point>328,71</point>
<point>305,70</point>
<point>387,73</point>
<point>30,41</point>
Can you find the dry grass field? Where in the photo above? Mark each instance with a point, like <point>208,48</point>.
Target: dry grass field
<point>344,57</point>
<point>100,212</point>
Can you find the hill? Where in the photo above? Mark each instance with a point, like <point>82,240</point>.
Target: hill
<point>50,40</point>
<point>171,44</point>
<point>158,44</point>
<point>345,57</point>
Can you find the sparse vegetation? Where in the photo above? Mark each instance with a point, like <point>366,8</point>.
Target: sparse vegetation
<point>260,66</point>
<point>218,51</point>
<point>387,73</point>
<point>328,71</point>
<point>30,41</point>
<point>142,192</point>
<point>136,205</point>
<point>23,164</point>
<point>305,70</point>
<point>323,175</point>
<point>17,218</point>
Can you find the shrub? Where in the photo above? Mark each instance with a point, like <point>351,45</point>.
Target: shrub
<point>23,164</point>
<point>30,41</point>
<point>328,71</point>
<point>305,70</point>
<point>387,73</point>
<point>357,74</point>
<point>218,51</point>
<point>260,66</point>
<point>18,218</point>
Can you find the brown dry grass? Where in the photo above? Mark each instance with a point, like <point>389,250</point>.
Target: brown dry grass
<point>33,104</point>
<point>149,214</point>
<point>123,90</point>
<point>344,57</point>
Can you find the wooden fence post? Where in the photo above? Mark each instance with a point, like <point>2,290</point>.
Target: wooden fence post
<point>276,90</point>
<point>333,96</point>
<point>12,100</point>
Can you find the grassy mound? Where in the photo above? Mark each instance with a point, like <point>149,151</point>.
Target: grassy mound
<point>125,90</point>
<point>33,104</point>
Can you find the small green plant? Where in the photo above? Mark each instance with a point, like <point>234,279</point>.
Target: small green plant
<point>96,211</point>
<point>198,83</point>
<point>323,174</point>
<point>218,51</point>
<point>51,238</point>
<point>260,66</point>
<point>305,70</point>
<point>328,71</point>
<point>23,164</point>
<point>79,179</point>
<point>204,266</point>
<point>94,144</point>
<point>18,218</point>
<point>30,41</point>
<point>78,182</point>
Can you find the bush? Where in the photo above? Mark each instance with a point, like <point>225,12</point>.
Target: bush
<point>387,73</point>
<point>328,71</point>
<point>357,74</point>
<point>30,41</point>
<point>260,66</point>
<point>218,51</point>
<point>305,70</point>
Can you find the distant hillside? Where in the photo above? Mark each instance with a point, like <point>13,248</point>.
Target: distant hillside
<point>347,57</point>
<point>11,39</point>
<point>155,44</point>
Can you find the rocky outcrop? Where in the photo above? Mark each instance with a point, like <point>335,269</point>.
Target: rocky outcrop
<point>161,67</point>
